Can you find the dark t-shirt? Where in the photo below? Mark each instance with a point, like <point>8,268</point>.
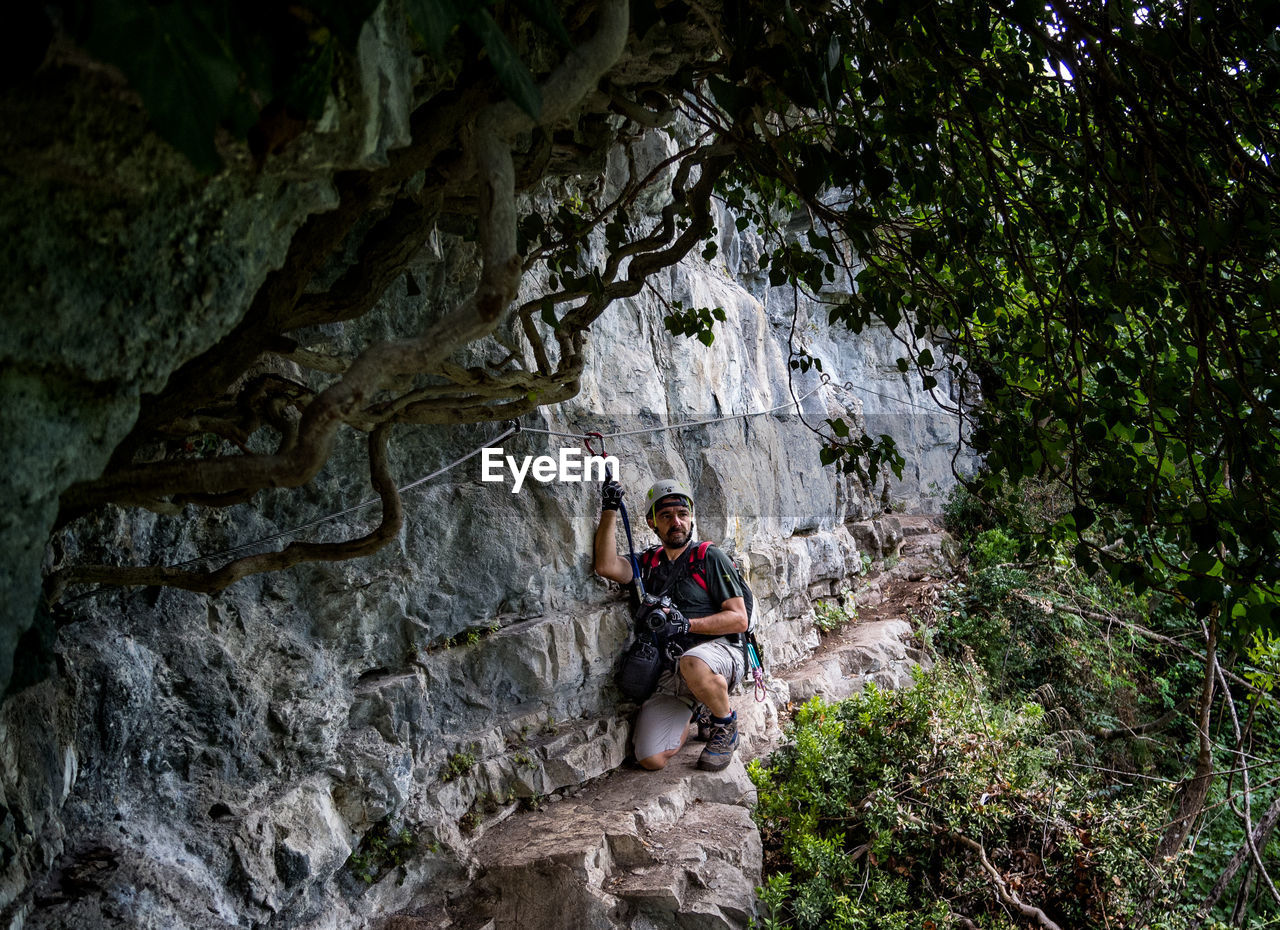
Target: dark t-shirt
<point>687,594</point>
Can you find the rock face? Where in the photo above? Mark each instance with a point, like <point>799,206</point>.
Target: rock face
<point>334,744</point>
<point>124,263</point>
<point>677,848</point>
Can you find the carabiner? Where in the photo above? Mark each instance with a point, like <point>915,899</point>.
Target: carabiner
<point>586,441</point>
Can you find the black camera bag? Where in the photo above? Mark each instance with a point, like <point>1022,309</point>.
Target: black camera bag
<point>640,670</point>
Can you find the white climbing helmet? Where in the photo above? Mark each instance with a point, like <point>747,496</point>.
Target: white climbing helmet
<point>667,487</point>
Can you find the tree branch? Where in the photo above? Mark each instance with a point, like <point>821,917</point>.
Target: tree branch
<point>1247,792</point>
<point>384,363</point>
<point>1194,791</point>
<point>1255,840</point>
<point>296,552</point>
<point>1006,897</point>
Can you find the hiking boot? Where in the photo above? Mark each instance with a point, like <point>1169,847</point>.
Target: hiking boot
<point>721,745</point>
<point>702,719</point>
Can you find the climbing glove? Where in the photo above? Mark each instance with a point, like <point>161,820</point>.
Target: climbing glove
<point>611,495</point>
<point>677,624</point>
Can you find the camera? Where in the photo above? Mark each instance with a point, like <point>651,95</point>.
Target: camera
<point>660,628</point>
<point>651,613</point>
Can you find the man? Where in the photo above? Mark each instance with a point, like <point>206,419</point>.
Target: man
<point>709,620</point>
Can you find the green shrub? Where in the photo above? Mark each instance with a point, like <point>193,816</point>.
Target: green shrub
<point>964,514</point>
<point>458,763</point>
<point>992,547</point>
<point>863,813</point>
<point>830,615</point>
<point>381,849</point>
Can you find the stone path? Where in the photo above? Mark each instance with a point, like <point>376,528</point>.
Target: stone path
<point>677,848</point>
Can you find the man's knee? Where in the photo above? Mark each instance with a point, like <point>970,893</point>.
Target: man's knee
<point>659,760</point>
<point>656,762</point>
<point>692,666</point>
<point>694,669</point>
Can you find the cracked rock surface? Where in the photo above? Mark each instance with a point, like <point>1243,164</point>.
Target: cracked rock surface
<point>677,848</point>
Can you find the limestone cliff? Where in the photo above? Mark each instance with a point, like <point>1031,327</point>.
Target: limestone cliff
<point>173,759</point>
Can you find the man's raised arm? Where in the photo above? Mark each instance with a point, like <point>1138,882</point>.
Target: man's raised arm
<point>608,563</point>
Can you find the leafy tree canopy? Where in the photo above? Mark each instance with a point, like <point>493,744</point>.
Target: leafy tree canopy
<point>1078,196</point>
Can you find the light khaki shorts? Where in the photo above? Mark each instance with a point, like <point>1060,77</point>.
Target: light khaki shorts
<point>660,726</point>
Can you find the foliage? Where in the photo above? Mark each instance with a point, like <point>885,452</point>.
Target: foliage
<point>830,615</point>
<point>1120,331</point>
<point>964,512</point>
<point>1216,841</point>
<point>1039,621</point>
<point>458,764</point>
<point>1106,665</point>
<point>381,849</point>
<point>696,322</point>
<point>1264,665</point>
<point>864,811</point>
<point>993,547</point>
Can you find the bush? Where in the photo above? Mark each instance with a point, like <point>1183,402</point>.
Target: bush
<point>830,615</point>
<point>866,815</point>
<point>964,514</point>
<point>382,849</point>
<point>992,547</point>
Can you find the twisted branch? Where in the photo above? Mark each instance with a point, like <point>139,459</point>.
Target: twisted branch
<point>210,582</point>
<point>1007,897</point>
<point>298,457</point>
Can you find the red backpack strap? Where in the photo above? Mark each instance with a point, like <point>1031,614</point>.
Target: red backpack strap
<point>649,558</point>
<point>697,558</point>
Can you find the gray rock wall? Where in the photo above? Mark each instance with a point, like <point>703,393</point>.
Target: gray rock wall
<point>215,761</point>
<point>123,263</point>
<point>313,748</point>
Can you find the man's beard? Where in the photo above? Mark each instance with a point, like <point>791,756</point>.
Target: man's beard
<point>677,537</point>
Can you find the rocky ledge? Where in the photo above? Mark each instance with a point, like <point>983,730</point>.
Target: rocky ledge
<point>678,848</point>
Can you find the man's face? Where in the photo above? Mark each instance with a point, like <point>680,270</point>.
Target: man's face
<point>673,523</point>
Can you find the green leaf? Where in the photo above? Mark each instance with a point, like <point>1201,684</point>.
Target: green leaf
<point>1084,559</point>
<point>730,97</point>
<point>178,63</point>
<point>1204,563</point>
<point>1084,517</point>
<point>793,22</point>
